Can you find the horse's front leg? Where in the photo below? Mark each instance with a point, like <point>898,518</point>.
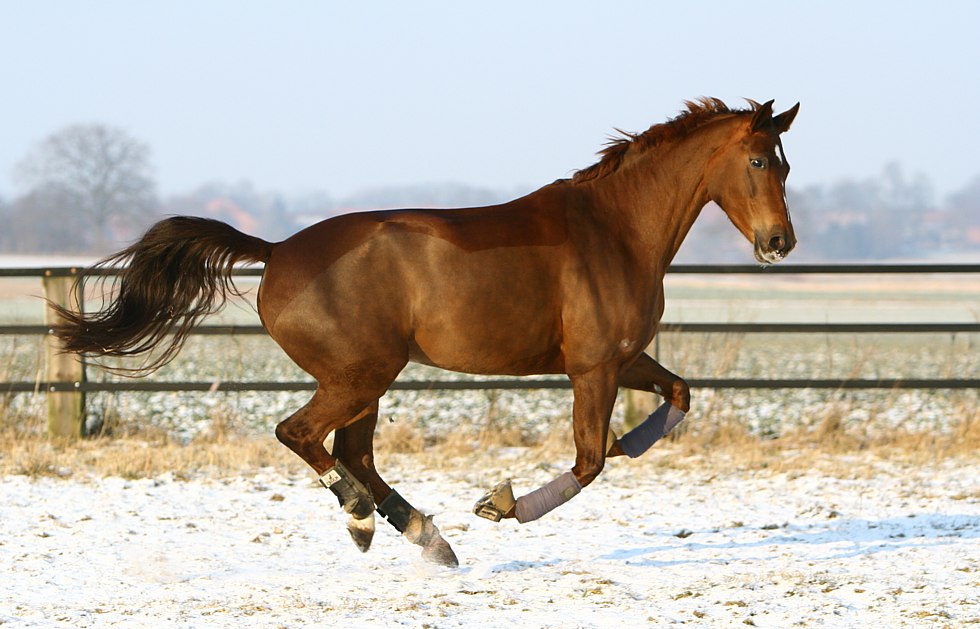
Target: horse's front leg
<point>646,374</point>
<point>595,394</point>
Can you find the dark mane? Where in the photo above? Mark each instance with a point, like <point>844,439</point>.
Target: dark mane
<point>697,114</point>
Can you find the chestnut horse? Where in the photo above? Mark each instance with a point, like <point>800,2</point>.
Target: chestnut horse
<point>566,280</point>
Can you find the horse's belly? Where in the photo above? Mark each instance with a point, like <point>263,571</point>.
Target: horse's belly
<point>480,364</point>
<point>500,346</point>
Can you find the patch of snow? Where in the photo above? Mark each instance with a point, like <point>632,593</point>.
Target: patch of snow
<point>643,545</point>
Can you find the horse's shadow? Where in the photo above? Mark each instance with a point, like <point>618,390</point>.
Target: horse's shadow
<point>867,537</point>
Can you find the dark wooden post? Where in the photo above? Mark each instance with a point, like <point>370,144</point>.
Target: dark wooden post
<point>66,409</point>
<point>638,404</point>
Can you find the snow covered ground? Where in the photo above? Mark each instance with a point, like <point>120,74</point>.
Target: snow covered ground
<point>645,545</point>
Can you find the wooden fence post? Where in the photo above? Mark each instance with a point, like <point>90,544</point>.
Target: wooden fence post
<point>66,410</point>
<point>638,404</point>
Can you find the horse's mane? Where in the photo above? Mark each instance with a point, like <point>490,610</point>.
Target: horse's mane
<point>697,114</point>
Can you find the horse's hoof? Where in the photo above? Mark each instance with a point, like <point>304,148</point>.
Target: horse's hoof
<point>424,532</point>
<point>362,532</point>
<point>439,552</point>
<point>497,503</point>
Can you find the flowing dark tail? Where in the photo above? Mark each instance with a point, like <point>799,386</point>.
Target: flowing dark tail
<point>176,274</point>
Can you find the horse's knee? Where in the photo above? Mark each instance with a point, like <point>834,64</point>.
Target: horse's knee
<point>680,395</point>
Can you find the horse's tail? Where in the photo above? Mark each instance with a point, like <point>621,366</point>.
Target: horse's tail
<point>177,273</point>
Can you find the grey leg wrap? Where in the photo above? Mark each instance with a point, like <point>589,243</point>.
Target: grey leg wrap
<point>418,529</point>
<point>542,500</point>
<point>654,428</point>
<point>352,494</point>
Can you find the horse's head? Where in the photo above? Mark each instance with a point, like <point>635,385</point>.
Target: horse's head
<point>749,182</point>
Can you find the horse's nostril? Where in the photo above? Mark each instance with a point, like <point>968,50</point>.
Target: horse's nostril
<point>776,243</point>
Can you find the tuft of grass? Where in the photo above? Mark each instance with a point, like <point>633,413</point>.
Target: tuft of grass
<point>26,450</point>
<point>725,447</point>
<point>833,442</point>
<point>399,437</point>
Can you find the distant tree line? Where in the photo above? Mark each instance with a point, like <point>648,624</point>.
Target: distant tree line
<point>90,189</point>
<point>889,216</point>
<point>83,184</point>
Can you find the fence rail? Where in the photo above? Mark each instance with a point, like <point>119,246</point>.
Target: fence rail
<point>66,384</point>
<point>477,385</point>
<point>686,269</point>
<point>737,328</point>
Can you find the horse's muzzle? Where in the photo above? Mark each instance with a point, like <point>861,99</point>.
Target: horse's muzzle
<point>774,245</point>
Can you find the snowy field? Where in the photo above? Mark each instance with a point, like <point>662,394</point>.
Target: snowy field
<point>891,545</point>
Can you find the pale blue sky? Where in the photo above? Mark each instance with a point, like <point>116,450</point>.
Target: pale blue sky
<point>314,95</point>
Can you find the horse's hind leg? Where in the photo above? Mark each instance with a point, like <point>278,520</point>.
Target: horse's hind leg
<point>354,445</point>
<point>305,431</point>
<point>354,417</point>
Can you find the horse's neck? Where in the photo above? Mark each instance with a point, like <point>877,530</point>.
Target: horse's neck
<point>654,199</point>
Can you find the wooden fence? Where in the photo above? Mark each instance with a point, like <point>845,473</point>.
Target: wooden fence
<point>65,380</point>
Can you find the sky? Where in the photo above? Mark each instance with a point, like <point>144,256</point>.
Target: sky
<point>303,96</point>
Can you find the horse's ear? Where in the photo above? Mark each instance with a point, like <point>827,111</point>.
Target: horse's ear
<point>762,116</point>
<point>785,119</point>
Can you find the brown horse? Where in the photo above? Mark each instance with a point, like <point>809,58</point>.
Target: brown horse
<point>566,280</point>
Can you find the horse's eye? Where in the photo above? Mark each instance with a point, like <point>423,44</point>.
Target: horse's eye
<point>757,162</point>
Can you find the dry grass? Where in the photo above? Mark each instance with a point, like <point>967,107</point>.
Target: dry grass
<point>134,458</point>
<point>143,453</point>
<point>828,447</point>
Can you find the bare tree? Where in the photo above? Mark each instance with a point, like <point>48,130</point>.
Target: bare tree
<point>103,170</point>
<point>43,221</point>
